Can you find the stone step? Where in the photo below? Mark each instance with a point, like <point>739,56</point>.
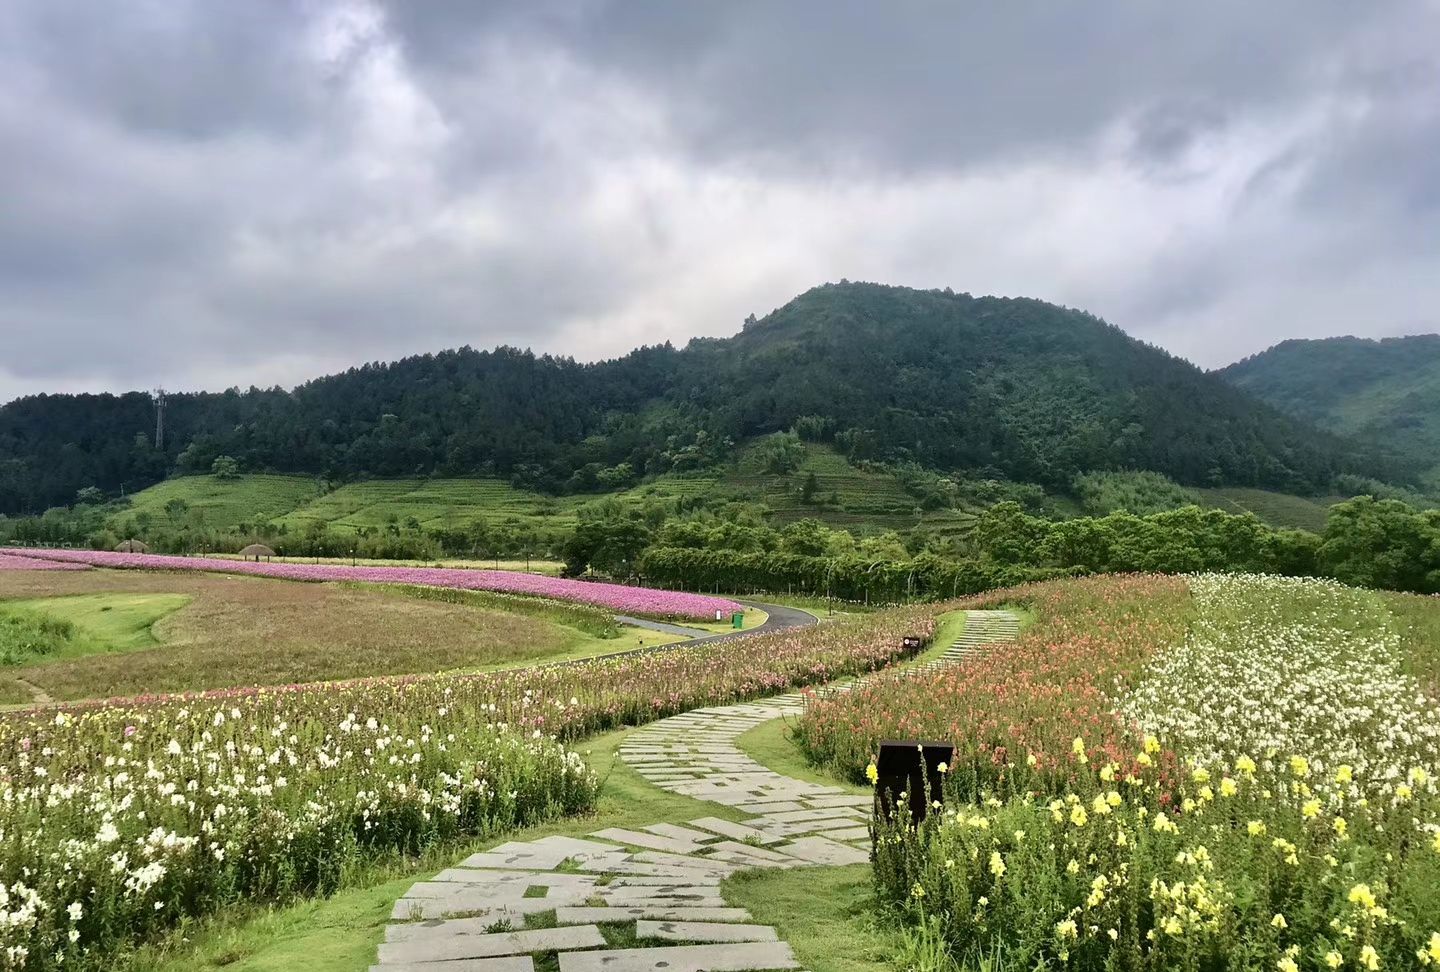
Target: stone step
<point>704,931</point>
<point>740,957</point>
<point>438,943</point>
<point>586,915</point>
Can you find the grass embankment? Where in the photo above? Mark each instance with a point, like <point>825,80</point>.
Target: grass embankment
<point>222,631</point>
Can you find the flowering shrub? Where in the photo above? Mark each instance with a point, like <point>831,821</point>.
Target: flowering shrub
<point>10,561</point>
<point>1255,789</point>
<point>614,597</point>
<point>118,820</point>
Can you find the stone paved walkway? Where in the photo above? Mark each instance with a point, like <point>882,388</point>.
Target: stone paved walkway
<point>664,877</point>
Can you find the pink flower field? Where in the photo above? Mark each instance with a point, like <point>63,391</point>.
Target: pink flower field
<point>613,597</point>
<point>10,561</point>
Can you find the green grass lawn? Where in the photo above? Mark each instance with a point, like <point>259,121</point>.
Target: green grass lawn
<point>98,623</point>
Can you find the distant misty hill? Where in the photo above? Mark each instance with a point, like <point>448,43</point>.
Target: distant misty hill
<point>1385,392</point>
<point>1019,388</point>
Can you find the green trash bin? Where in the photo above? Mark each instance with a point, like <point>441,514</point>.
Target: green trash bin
<point>737,620</point>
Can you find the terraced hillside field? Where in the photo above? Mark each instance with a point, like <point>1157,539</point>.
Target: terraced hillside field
<point>224,503</point>
<point>1276,509</point>
<point>845,496</point>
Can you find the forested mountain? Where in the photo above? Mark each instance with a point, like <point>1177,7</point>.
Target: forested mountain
<point>1386,391</point>
<point>1020,388</point>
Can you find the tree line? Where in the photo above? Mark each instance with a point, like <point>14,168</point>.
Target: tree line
<point>1019,389</point>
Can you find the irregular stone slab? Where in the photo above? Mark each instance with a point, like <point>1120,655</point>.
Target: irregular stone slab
<point>767,807</point>
<point>819,850</point>
<point>511,963</point>
<point>800,816</point>
<point>758,853</point>
<point>847,833</point>
<point>652,841</point>
<point>441,945</point>
<point>704,931</point>
<point>637,880</point>
<point>679,860</point>
<point>480,903</point>
<point>680,833</point>
<point>735,830</point>
<point>698,901</point>
<point>684,958</point>
<point>859,802</point>
<point>587,916</point>
<point>452,877</point>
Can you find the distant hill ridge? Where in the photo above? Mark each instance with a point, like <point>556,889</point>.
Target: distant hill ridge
<point>1015,387</point>
<point>1384,391</point>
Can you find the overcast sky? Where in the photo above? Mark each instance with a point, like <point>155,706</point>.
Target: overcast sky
<point>219,192</point>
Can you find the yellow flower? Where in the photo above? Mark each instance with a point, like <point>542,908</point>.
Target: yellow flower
<point>1435,844</point>
<point>997,864</point>
<point>1334,959</point>
<point>1370,958</point>
<point>1299,766</point>
<point>1287,964</point>
<point>1078,816</point>
<point>1073,867</point>
<point>1066,929</point>
<point>1310,810</point>
<point>1418,776</point>
<point>1228,787</point>
<point>1361,895</point>
<point>1152,745</point>
<point>1344,774</point>
<point>1340,826</point>
<point>1256,828</point>
<point>1200,775</point>
<point>872,774</point>
<point>1279,921</point>
<point>1031,760</point>
<point>1113,799</point>
<point>1162,824</point>
<point>1403,792</point>
<point>1078,748</point>
<point>943,768</point>
<point>917,891</point>
<point>1245,766</point>
<point>1107,772</point>
<point>1430,954</point>
<point>1143,759</point>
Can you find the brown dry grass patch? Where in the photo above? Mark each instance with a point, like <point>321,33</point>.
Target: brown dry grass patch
<point>241,631</point>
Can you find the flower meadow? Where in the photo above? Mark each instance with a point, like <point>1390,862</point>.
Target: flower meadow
<point>1251,784</point>
<point>614,597</point>
<point>11,561</point>
<point>119,821</point>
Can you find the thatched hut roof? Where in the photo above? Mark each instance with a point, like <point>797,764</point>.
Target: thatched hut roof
<point>257,550</point>
<point>132,546</point>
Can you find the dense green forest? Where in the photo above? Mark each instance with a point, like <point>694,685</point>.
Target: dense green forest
<point>1385,392</point>
<point>1015,389</point>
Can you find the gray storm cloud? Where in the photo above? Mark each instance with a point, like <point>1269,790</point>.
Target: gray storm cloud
<point>199,194</point>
